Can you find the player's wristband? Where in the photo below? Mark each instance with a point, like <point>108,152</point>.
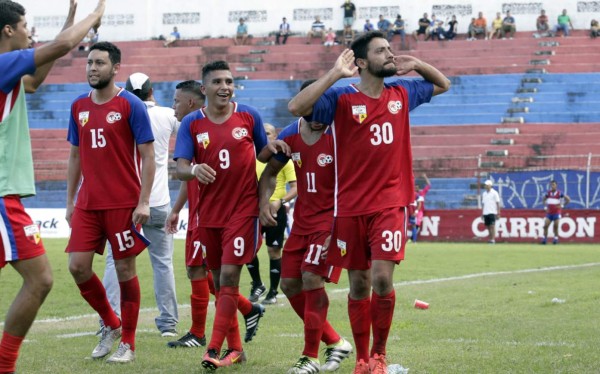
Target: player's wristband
<point>193,171</point>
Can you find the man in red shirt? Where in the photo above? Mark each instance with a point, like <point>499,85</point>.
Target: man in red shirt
<point>555,200</point>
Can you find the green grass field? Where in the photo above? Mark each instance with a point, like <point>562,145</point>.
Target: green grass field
<point>491,311</point>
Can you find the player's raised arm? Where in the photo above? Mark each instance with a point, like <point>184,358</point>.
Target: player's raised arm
<point>405,64</point>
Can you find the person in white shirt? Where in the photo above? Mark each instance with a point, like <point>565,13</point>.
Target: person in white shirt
<point>164,125</point>
<point>490,203</point>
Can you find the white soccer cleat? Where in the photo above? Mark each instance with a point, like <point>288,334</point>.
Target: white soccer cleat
<point>335,353</point>
<point>123,355</point>
<point>305,365</point>
<point>108,338</point>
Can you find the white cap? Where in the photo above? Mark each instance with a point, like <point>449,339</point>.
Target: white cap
<point>488,182</point>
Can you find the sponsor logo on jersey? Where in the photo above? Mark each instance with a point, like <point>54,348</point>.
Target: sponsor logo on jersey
<point>342,246</point>
<point>113,117</point>
<point>296,158</point>
<point>359,112</point>
<point>239,133</point>
<point>394,106</point>
<point>323,159</point>
<point>32,232</point>
<point>84,117</point>
<point>203,138</point>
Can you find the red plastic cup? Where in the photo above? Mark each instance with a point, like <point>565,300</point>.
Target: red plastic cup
<point>419,304</point>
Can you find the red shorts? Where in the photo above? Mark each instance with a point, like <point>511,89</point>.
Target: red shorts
<point>19,235</point>
<point>91,228</point>
<point>195,252</point>
<point>356,241</point>
<point>236,244</point>
<point>303,253</point>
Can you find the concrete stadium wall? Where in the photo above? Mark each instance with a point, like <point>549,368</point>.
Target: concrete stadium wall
<point>145,19</point>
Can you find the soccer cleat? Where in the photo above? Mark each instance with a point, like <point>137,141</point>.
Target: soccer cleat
<point>210,360</point>
<point>335,353</point>
<point>377,364</point>
<point>256,292</point>
<point>543,241</point>
<point>271,298</point>
<point>123,355</point>
<point>232,357</point>
<point>168,333</point>
<point>305,365</point>
<point>252,320</point>
<point>108,338</point>
<point>555,241</point>
<point>361,367</point>
<point>189,340</point>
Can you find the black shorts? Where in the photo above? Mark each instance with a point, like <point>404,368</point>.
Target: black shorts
<point>489,219</point>
<point>274,235</point>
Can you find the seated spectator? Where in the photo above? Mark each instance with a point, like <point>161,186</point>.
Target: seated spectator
<point>368,26</point>
<point>398,28</point>
<point>496,29</point>
<point>452,28</point>
<point>594,29</point>
<point>241,34</point>
<point>329,38</point>
<point>435,29</point>
<point>34,36</point>
<point>508,25</point>
<point>478,27</point>
<point>564,24</point>
<point>284,31</point>
<point>91,38</point>
<point>316,30</point>
<point>173,36</point>
<point>349,35</point>
<point>424,24</point>
<point>384,26</point>
<point>542,26</point>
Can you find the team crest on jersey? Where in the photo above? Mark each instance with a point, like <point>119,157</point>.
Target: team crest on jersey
<point>203,138</point>
<point>239,133</point>
<point>32,232</point>
<point>394,106</point>
<point>84,117</point>
<point>323,159</point>
<point>113,117</point>
<point>296,158</point>
<point>359,112</point>
<point>342,246</point>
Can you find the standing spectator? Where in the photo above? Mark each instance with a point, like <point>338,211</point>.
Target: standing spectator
<point>424,24</point>
<point>241,34</point>
<point>172,38</point>
<point>109,127</point>
<point>349,13</point>
<point>542,26</point>
<point>594,29</point>
<point>384,26</point>
<point>317,29</point>
<point>369,225</point>
<point>496,29</point>
<point>23,71</point>
<point>419,208</point>
<point>164,126</point>
<point>398,28</point>
<point>479,27</point>
<point>452,28</point>
<point>284,31</point>
<point>554,201</point>
<point>508,25</point>
<point>563,24</point>
<point>368,26</point>
<point>490,203</point>
<point>348,35</point>
<point>329,38</point>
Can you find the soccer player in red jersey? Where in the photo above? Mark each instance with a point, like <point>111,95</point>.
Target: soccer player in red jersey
<point>112,155</point>
<point>223,140</point>
<point>374,176</point>
<point>23,69</point>
<point>554,200</point>
<point>304,271</point>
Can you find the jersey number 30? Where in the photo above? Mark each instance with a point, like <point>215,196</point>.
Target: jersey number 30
<point>382,133</point>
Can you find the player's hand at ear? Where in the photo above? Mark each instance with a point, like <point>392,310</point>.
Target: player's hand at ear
<point>267,216</point>
<point>405,64</point>
<point>205,174</point>
<point>344,64</point>
<point>141,214</point>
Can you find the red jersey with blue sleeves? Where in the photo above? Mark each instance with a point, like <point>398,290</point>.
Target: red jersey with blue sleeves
<point>313,210</point>
<point>107,136</point>
<point>373,157</point>
<point>14,65</point>
<point>554,201</point>
<point>229,148</point>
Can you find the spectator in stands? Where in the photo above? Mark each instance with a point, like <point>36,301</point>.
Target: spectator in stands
<point>384,26</point>
<point>172,38</point>
<point>508,25</point>
<point>496,29</point>
<point>490,203</point>
<point>542,26</point>
<point>349,13</point>
<point>349,35</point>
<point>478,27</point>
<point>368,26</point>
<point>424,24</point>
<point>554,201</point>
<point>398,28</point>
<point>435,29</point>
<point>284,31</point>
<point>90,39</point>
<point>594,29</point>
<point>241,34</point>
<point>317,29</point>
<point>452,28</point>
<point>564,24</point>
<point>329,38</point>
<point>34,36</point>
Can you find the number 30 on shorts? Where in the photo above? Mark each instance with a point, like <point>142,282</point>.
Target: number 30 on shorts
<point>393,240</point>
